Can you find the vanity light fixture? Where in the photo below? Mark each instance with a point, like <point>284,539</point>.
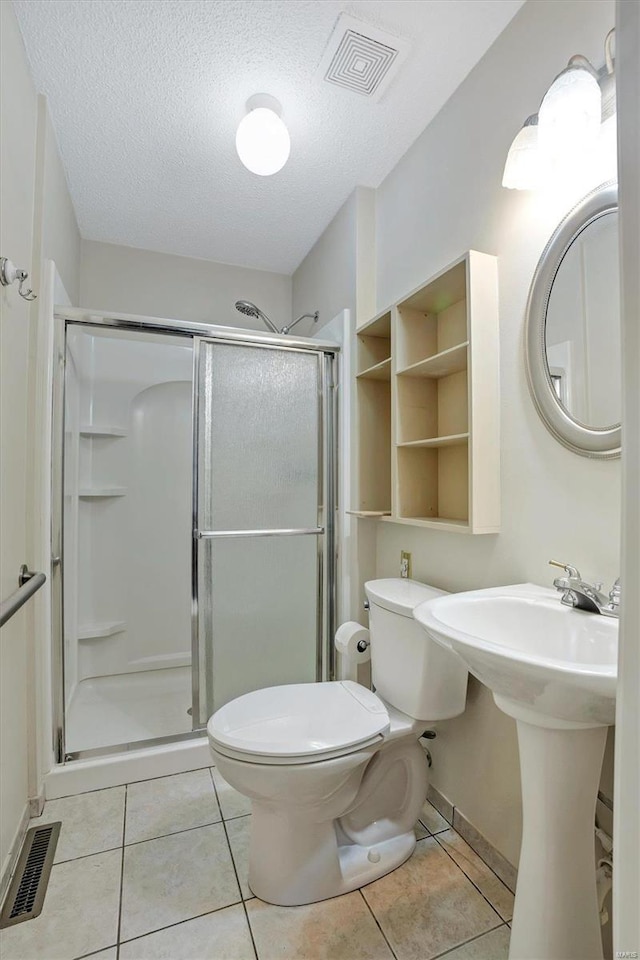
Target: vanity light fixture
<point>262,139</point>
<point>578,108</point>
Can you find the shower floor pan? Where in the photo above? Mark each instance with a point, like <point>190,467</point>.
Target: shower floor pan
<point>128,708</point>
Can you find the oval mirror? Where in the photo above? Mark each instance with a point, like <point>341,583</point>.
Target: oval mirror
<point>573,353</point>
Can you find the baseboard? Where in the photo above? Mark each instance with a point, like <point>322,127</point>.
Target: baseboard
<point>11,859</point>
<point>476,840</point>
<point>36,806</point>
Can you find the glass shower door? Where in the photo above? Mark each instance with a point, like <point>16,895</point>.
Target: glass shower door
<point>261,581</point>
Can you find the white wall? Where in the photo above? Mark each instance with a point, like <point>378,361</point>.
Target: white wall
<point>18,109</point>
<point>442,198</point>
<point>127,280</point>
<point>338,273</point>
<point>37,222</point>
<point>626,868</point>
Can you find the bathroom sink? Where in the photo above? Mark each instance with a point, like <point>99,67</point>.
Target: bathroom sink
<point>553,669</point>
<point>535,654</point>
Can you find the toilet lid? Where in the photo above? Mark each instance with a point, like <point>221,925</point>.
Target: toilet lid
<point>299,720</point>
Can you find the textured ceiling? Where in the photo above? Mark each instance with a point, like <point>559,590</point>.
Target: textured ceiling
<point>146,95</point>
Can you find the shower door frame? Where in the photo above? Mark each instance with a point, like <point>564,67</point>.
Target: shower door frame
<point>327,564</point>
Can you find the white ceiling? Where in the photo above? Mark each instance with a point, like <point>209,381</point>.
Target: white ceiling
<point>146,95</point>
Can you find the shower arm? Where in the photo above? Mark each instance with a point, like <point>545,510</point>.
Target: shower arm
<point>313,316</point>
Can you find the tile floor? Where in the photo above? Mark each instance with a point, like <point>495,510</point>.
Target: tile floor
<point>157,870</point>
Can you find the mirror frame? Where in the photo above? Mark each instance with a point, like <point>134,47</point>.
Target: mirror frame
<point>603,443</point>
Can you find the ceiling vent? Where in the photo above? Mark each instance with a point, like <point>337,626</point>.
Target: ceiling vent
<point>361,58</point>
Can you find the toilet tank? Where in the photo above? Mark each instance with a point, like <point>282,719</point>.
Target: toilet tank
<point>409,670</point>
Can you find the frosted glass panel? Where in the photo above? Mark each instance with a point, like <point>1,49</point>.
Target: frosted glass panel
<point>258,615</point>
<point>258,438</point>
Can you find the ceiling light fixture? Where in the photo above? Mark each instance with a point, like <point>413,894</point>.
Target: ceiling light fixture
<point>572,117</point>
<point>262,139</point>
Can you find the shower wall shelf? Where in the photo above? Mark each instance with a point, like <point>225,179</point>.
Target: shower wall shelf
<point>95,493</point>
<point>106,628</point>
<point>428,389</point>
<point>88,430</point>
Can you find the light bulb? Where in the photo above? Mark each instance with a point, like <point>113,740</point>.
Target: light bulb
<point>263,142</point>
<point>524,168</point>
<point>569,116</point>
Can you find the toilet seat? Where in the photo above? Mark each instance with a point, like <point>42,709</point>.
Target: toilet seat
<point>299,723</point>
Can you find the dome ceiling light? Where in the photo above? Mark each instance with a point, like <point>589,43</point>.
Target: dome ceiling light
<point>262,139</point>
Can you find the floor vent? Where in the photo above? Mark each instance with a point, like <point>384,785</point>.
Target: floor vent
<point>361,58</point>
<point>25,898</point>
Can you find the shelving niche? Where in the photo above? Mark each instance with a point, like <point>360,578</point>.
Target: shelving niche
<point>373,378</point>
<point>433,429</point>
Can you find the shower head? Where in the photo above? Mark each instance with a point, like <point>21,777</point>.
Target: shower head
<point>250,310</point>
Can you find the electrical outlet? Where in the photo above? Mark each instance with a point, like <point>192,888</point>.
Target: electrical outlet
<point>405,565</point>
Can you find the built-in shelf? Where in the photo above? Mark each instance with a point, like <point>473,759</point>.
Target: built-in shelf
<point>105,628</point>
<point>435,523</point>
<point>379,371</point>
<point>454,440</point>
<point>439,365</point>
<point>93,493</point>
<point>89,430</point>
<point>428,404</point>
<point>369,514</point>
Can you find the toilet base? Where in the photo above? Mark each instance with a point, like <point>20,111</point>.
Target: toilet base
<point>324,868</point>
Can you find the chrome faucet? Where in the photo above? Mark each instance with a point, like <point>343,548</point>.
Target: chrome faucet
<point>577,593</point>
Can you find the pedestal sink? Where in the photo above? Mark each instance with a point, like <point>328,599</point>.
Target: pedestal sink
<point>554,670</point>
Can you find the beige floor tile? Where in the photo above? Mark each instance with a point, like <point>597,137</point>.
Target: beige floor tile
<point>176,878</point>
<point>223,935</point>
<point>232,803</point>
<point>499,896</point>
<point>110,954</point>
<point>238,831</point>
<point>338,929</point>
<point>421,830</point>
<point>433,821</point>
<point>167,805</point>
<point>80,913</point>
<point>427,905</point>
<point>91,822</point>
<point>490,946</point>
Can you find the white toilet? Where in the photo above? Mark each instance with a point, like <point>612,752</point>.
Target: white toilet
<point>335,772</point>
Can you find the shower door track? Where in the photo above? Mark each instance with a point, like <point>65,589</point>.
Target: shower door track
<point>77,316</point>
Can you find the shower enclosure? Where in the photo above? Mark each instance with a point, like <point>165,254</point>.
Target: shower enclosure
<point>194,486</point>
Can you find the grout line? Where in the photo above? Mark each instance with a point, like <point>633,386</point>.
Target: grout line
<point>109,946</point>
<point>84,856</point>
<point>472,882</point>
<point>178,923</point>
<point>124,825</point>
<point>163,836</point>
<point>233,862</point>
<point>443,956</point>
<point>116,786</point>
<point>484,862</point>
<point>377,922</point>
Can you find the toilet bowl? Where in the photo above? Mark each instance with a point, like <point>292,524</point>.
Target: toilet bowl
<point>335,772</point>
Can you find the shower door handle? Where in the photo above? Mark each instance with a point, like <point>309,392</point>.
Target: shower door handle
<point>288,532</point>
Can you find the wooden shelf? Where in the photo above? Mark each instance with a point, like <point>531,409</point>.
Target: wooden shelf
<point>374,346</point>
<point>88,430</point>
<point>369,514</point>
<point>439,365</point>
<point>379,371</point>
<point>456,440</point>
<point>94,493</point>
<point>434,523</point>
<point>428,404</point>
<point>105,628</point>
